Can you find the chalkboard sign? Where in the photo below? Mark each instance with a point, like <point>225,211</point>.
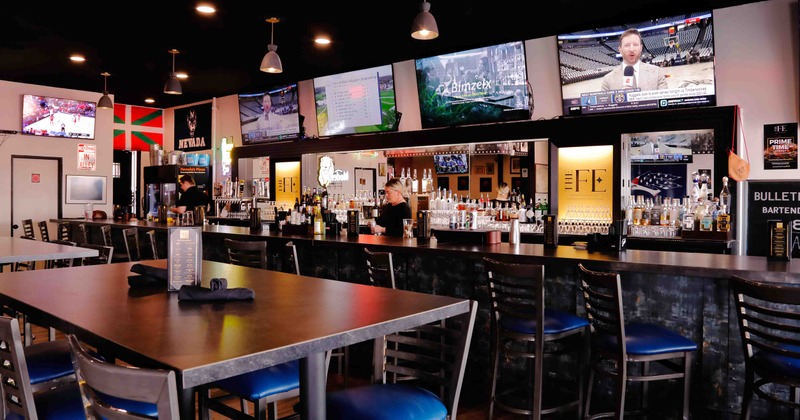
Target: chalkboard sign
<point>184,256</point>
<point>772,200</point>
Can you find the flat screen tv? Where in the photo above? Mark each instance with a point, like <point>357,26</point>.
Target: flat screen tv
<point>482,85</point>
<point>58,117</point>
<point>451,163</point>
<point>270,116</point>
<point>676,69</point>
<point>356,102</point>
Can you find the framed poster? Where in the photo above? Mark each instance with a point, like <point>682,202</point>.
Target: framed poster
<point>516,165</point>
<point>443,182</point>
<point>486,185</point>
<point>480,170</point>
<point>490,168</point>
<point>463,183</point>
<point>780,146</point>
<point>84,189</point>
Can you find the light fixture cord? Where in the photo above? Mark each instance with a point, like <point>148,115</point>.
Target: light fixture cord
<point>272,34</point>
<point>105,84</point>
<point>173,62</point>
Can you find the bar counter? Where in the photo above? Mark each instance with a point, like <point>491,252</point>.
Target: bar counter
<point>686,292</point>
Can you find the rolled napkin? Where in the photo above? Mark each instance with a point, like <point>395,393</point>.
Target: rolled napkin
<point>146,270</point>
<point>198,293</point>
<point>145,281</point>
<point>219,283</point>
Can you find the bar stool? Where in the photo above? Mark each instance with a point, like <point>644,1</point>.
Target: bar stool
<point>151,240</point>
<point>117,256</point>
<point>64,231</point>
<point>131,236</point>
<point>43,230</point>
<point>27,228</point>
<point>83,234</point>
<point>619,344</point>
<point>522,327</point>
<point>247,253</point>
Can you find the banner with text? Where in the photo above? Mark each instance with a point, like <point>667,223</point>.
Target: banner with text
<point>772,200</point>
<point>780,146</point>
<point>193,128</point>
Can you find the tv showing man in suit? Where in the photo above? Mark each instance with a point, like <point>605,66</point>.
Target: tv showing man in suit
<point>633,73</point>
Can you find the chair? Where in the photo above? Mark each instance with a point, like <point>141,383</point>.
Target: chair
<point>83,234</point>
<point>619,343</point>
<point>21,400</point>
<point>523,327</point>
<point>380,268</point>
<point>25,265</point>
<point>132,251</point>
<point>108,241</point>
<point>104,257</point>
<point>436,357</point>
<point>769,315</point>
<point>43,231</point>
<point>247,253</point>
<point>27,228</point>
<point>123,392</point>
<point>292,261</point>
<point>151,240</point>
<point>64,262</point>
<point>64,231</point>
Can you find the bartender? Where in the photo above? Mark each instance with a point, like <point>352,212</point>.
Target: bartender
<point>390,222</point>
<point>191,196</point>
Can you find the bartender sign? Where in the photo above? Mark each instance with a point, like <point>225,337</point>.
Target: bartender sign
<point>87,157</point>
<point>772,200</point>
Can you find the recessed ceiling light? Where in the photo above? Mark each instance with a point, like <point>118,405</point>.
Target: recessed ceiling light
<point>77,58</point>
<point>150,100</point>
<point>205,8</point>
<point>322,40</point>
<point>181,75</point>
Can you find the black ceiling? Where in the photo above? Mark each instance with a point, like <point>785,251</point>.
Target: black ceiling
<point>222,53</point>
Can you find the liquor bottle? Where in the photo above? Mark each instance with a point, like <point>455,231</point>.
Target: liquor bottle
<point>545,207</point>
<point>408,190</point>
<point>648,206</point>
<point>537,209</point>
<point>695,194</point>
<point>655,212</point>
<point>403,177</point>
<point>725,194</point>
<point>706,221</point>
<point>703,188</point>
<point>424,186</point>
<point>723,219</point>
<point>414,183</point>
<point>638,210</point>
<point>530,212</point>
<point>688,218</point>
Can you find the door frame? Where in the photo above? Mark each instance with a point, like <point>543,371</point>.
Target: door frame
<point>60,163</point>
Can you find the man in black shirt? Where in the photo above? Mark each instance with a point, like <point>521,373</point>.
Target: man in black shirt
<point>390,222</point>
<point>191,196</point>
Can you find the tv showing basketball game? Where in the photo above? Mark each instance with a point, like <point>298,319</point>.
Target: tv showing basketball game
<point>657,64</point>
<point>482,85</point>
<point>356,102</point>
<point>58,117</point>
<point>270,116</point>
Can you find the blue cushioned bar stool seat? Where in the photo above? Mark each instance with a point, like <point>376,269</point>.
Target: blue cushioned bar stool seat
<point>769,325</point>
<point>430,360</point>
<point>618,348</point>
<point>524,329</point>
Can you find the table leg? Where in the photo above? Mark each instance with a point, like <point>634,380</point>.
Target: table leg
<point>312,386</point>
<point>186,401</point>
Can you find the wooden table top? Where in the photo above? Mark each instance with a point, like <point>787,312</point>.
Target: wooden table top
<point>291,317</point>
<point>23,250</point>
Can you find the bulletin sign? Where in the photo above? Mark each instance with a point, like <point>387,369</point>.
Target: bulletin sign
<point>780,146</point>
<point>772,200</point>
<point>586,182</point>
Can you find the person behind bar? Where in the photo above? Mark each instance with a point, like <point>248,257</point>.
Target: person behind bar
<point>390,222</point>
<point>191,196</point>
<point>632,72</point>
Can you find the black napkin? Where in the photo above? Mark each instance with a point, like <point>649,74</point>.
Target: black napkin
<point>145,281</point>
<point>146,270</point>
<point>219,283</point>
<point>199,293</point>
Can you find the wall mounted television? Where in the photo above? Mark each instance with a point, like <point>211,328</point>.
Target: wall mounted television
<point>451,163</point>
<point>481,85</point>
<point>356,102</point>
<point>677,50</point>
<point>270,116</point>
<point>58,117</point>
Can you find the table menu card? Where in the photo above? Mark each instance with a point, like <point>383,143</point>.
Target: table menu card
<point>184,256</point>
<point>550,231</point>
<point>779,240</point>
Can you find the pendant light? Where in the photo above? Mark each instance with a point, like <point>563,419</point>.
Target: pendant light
<point>424,25</point>
<point>105,100</point>
<point>271,62</point>
<point>173,85</point>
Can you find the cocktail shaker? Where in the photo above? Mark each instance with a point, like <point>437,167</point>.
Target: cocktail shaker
<point>513,232</point>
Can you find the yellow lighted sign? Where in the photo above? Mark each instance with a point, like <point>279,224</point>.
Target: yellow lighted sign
<point>226,146</point>
<point>585,182</point>
<point>287,180</point>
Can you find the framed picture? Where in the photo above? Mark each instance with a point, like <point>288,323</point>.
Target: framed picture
<point>516,165</point>
<point>463,183</point>
<point>542,178</point>
<point>486,185</point>
<point>480,169</point>
<point>490,168</point>
<point>382,169</point>
<point>83,189</point>
<point>443,182</point>
<point>516,183</point>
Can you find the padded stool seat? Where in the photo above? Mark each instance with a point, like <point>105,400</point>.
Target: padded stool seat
<point>264,382</point>
<point>385,401</point>
<point>555,322</point>
<point>648,339</point>
<point>61,403</point>
<point>48,361</point>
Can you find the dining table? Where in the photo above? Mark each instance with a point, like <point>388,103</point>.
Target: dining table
<point>291,317</point>
<point>14,250</point>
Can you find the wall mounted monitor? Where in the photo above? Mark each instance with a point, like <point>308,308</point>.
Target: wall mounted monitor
<point>482,85</point>
<point>451,163</point>
<point>676,69</point>
<point>356,102</point>
<point>58,117</point>
<point>270,116</point>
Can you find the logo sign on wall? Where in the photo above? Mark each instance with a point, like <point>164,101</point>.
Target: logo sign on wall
<point>87,157</point>
<point>193,128</point>
<point>772,200</point>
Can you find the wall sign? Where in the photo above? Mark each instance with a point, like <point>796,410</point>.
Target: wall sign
<point>772,200</point>
<point>87,157</point>
<point>780,146</point>
<point>193,128</point>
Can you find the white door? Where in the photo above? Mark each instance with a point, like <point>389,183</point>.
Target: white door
<point>35,192</point>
